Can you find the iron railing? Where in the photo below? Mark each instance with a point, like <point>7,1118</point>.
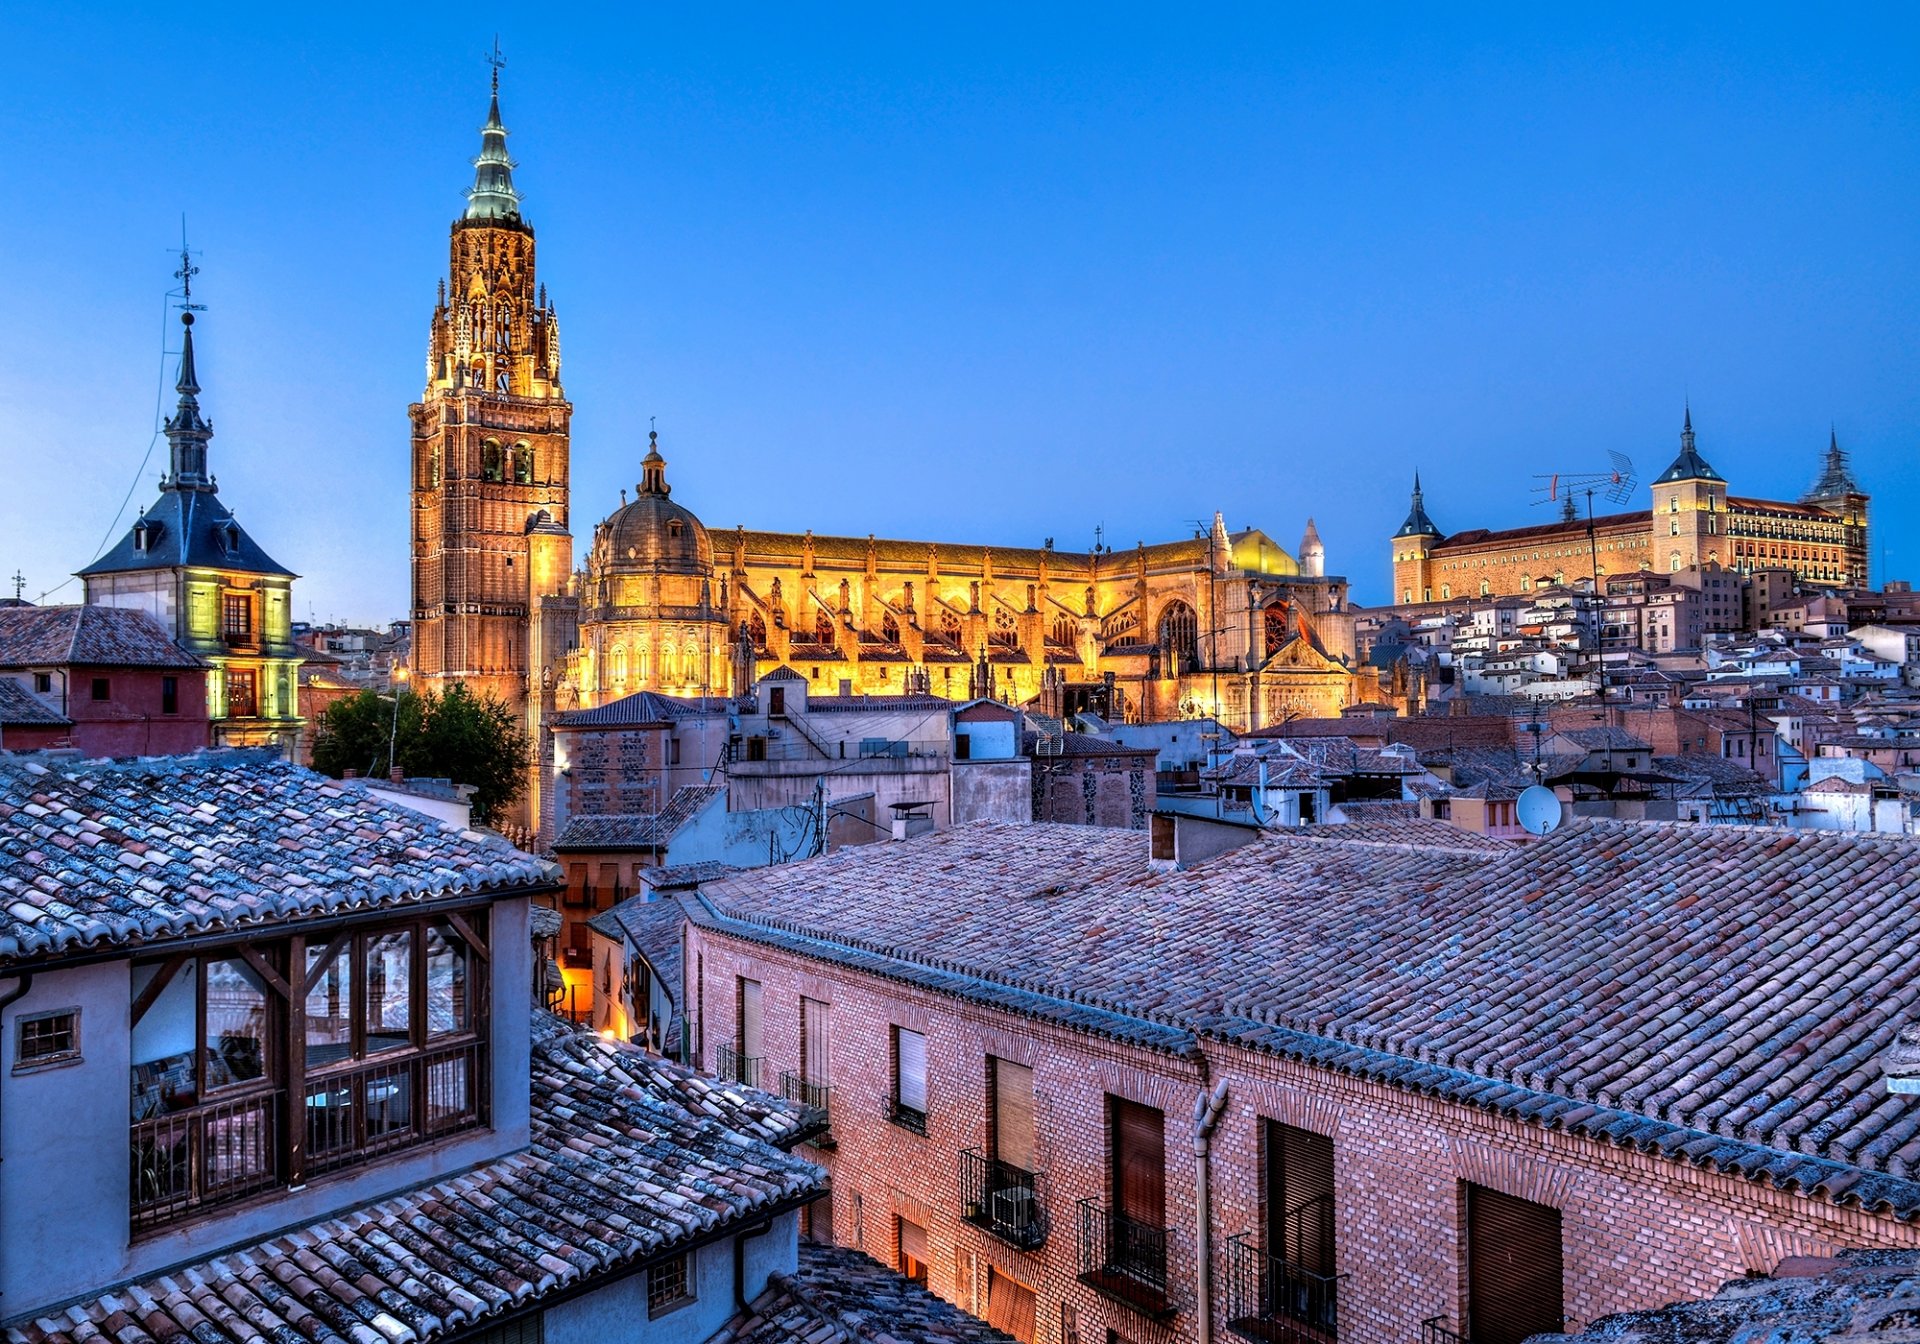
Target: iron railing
<point>1124,1259</point>
<point>1435,1330</point>
<point>735,1066</point>
<point>1270,1298</point>
<point>382,1105</point>
<point>208,1155</point>
<point>908,1118</point>
<point>1003,1199</point>
<point>816,1097</point>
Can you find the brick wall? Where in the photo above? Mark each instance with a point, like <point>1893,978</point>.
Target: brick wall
<point>1638,1231</point>
<point>616,770</point>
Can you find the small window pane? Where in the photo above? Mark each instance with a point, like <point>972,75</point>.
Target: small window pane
<point>449,980</point>
<point>912,1066</point>
<point>389,980</point>
<point>668,1285</point>
<point>329,1009</point>
<point>236,1023</point>
<point>48,1037</point>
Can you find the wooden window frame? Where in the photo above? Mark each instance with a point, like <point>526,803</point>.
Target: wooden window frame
<point>23,1062</point>
<point>675,1276</point>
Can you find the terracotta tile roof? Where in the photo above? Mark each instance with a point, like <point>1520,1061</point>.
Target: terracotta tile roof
<point>1722,777</point>
<point>1666,986</point>
<point>87,636</point>
<point>873,704</point>
<point>630,1156</point>
<point>1857,1296</point>
<point>637,830</point>
<point>682,875</point>
<point>102,853</point>
<point>1603,737</point>
<point>21,708</point>
<point>1081,745</point>
<point>842,1296</point>
<point>643,707</point>
<point>1426,832</point>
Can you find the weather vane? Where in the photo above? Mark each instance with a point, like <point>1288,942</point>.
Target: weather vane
<point>186,273</point>
<point>19,584</point>
<point>496,60</point>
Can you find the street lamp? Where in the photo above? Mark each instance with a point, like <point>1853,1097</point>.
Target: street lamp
<point>399,679</point>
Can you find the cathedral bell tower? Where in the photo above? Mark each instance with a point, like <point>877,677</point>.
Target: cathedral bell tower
<point>490,448</point>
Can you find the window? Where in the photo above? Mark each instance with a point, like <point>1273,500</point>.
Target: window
<point>913,1252</point>
<point>491,461</point>
<point>43,682</point>
<point>740,1062</point>
<point>1012,1113</point>
<point>910,1080</point>
<point>673,752</point>
<point>1179,635</point>
<point>815,1041</point>
<point>102,689</point>
<point>236,617</point>
<point>1300,1215</point>
<point>1069,1324</point>
<point>169,695</point>
<point>243,696</point>
<point>46,1039</point>
<point>1010,1305</point>
<point>1514,1271</point>
<point>669,1286</point>
<point>388,1057</point>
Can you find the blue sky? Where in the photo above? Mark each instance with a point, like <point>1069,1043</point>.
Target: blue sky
<point>991,274</point>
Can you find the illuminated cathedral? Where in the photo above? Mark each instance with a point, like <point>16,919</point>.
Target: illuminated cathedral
<point>1225,623</point>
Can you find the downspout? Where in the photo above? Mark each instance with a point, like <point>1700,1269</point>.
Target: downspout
<point>1208,1107</point>
<point>740,1262</point>
<point>7,1001</point>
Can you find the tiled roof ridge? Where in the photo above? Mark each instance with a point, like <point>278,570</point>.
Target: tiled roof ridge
<point>1844,1184</point>
<point>1072,1008</point>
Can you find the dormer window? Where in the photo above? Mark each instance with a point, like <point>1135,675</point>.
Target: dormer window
<point>141,534</point>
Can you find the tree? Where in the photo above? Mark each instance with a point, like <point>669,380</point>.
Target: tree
<point>454,734</point>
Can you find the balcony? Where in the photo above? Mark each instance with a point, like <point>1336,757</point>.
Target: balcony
<point>381,1106</point>
<point>817,1098</point>
<point>1124,1260</point>
<point>1004,1200</point>
<point>735,1066</point>
<point>205,1156</point>
<point>1435,1330</point>
<point>1271,1300</point>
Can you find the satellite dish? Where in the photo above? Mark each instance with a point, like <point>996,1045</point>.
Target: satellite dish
<point>1538,808</point>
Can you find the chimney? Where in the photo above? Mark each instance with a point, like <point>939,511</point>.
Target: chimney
<point>396,774</point>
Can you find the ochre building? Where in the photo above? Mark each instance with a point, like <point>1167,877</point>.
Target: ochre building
<point>1693,520</point>
<point>1226,623</point>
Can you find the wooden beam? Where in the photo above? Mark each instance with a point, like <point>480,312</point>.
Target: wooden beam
<point>465,930</point>
<point>265,970</point>
<point>151,994</point>
<point>308,979</point>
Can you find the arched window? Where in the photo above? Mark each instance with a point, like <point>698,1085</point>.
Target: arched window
<point>1485,588</point>
<point>1674,560</point>
<point>690,665</point>
<point>889,629</point>
<point>950,627</point>
<point>433,469</point>
<point>618,663</point>
<point>823,628</point>
<point>1005,634</point>
<point>522,463</point>
<point>1446,591</point>
<point>491,460</point>
<point>1180,635</point>
<point>666,662</point>
<point>757,632</point>
<point>1065,632</point>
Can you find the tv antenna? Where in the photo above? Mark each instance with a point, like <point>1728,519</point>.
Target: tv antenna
<point>1615,486</point>
<point>186,273</point>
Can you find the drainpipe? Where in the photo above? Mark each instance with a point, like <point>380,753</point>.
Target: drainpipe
<point>740,1262</point>
<point>7,1000</point>
<point>1208,1107</point>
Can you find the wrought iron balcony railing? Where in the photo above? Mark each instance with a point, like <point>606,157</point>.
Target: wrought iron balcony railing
<point>1003,1199</point>
<point>736,1067</point>
<point>1435,1330</point>
<point>1271,1299</point>
<point>816,1097</point>
<point>1124,1259</point>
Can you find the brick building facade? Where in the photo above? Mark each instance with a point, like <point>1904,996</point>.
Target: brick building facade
<point>1598,1075</point>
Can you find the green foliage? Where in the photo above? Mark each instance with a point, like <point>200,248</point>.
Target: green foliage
<point>454,734</point>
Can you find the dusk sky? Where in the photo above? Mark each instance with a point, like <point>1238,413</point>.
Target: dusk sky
<point>991,277</point>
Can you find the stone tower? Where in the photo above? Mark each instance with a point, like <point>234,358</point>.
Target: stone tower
<point>490,451</point>
<point>1413,551</point>
<point>1689,510</point>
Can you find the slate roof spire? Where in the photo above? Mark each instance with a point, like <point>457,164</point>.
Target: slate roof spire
<point>187,430</point>
<point>1836,474</point>
<point>1689,465</point>
<point>492,196</point>
<point>1417,524</point>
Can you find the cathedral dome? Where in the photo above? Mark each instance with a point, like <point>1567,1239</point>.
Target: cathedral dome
<point>653,535</point>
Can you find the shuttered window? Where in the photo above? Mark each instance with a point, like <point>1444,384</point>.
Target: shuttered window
<point>1139,1162</point>
<point>748,1002</point>
<point>1010,1306</point>
<point>910,1073</point>
<point>1300,1197</point>
<point>1013,1113</point>
<point>1513,1267</point>
<point>815,1041</point>
<point>913,1251</point>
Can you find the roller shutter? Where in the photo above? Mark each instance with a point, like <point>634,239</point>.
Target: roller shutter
<point>1513,1268</point>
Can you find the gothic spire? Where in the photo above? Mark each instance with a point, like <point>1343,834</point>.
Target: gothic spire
<point>492,196</point>
<point>188,430</point>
